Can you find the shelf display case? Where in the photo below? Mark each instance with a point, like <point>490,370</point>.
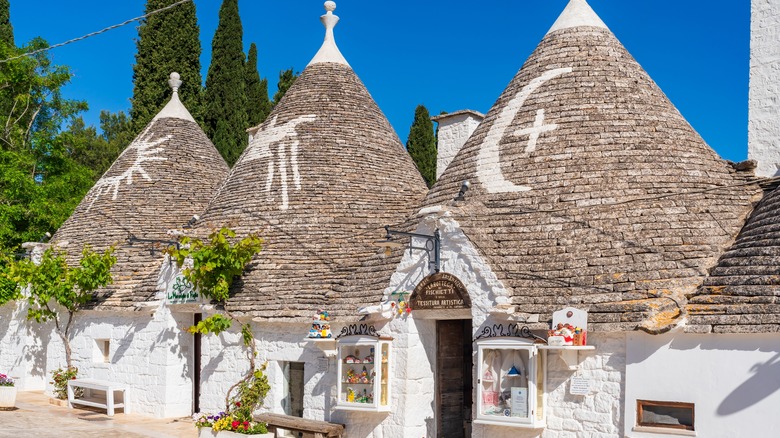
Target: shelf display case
<point>511,380</point>
<point>364,371</point>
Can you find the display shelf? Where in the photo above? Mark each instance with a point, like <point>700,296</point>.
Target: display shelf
<point>327,345</point>
<point>363,373</point>
<point>569,354</point>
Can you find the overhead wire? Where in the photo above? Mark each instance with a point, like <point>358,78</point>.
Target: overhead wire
<point>89,35</point>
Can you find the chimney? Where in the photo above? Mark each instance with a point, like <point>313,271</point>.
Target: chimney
<point>454,129</point>
<point>764,100</point>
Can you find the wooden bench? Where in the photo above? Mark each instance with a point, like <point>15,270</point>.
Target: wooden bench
<point>309,428</point>
<point>91,384</point>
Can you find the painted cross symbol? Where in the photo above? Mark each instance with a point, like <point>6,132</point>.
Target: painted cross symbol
<point>535,131</point>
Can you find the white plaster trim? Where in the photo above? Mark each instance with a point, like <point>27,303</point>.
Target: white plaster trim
<point>577,13</point>
<point>174,110</point>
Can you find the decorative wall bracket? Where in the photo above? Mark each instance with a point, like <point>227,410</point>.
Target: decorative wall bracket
<point>512,330</point>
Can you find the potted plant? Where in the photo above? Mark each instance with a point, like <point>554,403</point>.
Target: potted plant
<point>7,392</point>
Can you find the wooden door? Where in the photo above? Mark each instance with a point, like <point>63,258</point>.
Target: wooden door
<point>453,378</point>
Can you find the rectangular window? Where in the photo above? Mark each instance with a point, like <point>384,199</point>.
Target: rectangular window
<point>671,415</point>
<point>101,352</point>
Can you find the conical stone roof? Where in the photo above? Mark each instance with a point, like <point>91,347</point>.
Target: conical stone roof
<point>164,177</point>
<point>742,292</point>
<point>318,180</point>
<point>590,189</point>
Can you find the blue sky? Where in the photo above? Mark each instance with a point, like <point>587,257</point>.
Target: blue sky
<point>444,54</point>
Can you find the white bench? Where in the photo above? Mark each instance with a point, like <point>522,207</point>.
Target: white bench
<point>108,387</point>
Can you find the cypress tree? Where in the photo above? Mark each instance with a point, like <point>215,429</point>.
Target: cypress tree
<point>258,105</point>
<point>225,117</point>
<point>168,41</point>
<point>421,144</point>
<point>286,79</point>
<point>6,30</point>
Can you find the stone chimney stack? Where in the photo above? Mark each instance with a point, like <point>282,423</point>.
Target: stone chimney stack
<point>454,129</point>
<point>764,106</point>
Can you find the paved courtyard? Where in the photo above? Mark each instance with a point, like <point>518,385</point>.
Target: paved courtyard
<point>35,417</point>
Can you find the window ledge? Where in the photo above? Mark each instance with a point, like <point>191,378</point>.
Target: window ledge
<point>663,430</point>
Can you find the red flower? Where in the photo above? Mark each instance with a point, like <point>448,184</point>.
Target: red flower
<point>246,424</point>
<point>238,404</point>
<point>235,424</point>
<point>73,378</point>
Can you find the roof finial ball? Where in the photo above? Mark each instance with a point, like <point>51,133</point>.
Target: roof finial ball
<point>330,6</point>
<point>175,82</point>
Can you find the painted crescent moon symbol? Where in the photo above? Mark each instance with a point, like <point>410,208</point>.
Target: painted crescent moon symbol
<point>488,161</point>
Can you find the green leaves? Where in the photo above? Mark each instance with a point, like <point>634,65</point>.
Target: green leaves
<point>421,145</point>
<point>216,262</point>
<point>54,281</point>
<point>213,324</point>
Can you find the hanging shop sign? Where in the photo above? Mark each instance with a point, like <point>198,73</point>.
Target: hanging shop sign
<point>181,291</point>
<point>440,291</point>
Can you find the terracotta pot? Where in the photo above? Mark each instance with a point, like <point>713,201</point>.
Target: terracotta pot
<point>7,397</point>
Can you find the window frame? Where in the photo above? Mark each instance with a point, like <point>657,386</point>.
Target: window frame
<point>640,404</point>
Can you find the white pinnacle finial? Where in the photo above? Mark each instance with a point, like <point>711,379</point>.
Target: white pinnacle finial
<point>174,109</point>
<point>175,82</point>
<point>577,13</point>
<point>329,52</point>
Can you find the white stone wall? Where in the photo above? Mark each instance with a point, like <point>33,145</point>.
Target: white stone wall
<point>764,123</point>
<point>22,348</point>
<point>733,380</point>
<point>452,135</point>
<point>149,352</point>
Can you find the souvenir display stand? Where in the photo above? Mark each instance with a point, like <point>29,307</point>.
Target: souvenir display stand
<point>510,383</point>
<point>364,371</point>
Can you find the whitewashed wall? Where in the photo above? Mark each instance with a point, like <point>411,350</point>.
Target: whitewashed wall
<point>453,132</point>
<point>22,351</point>
<point>763,124</point>
<point>734,380</point>
<point>149,352</point>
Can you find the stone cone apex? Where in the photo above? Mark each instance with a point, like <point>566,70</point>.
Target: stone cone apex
<point>329,52</point>
<point>318,180</point>
<point>576,14</point>
<point>166,175</point>
<point>559,168</point>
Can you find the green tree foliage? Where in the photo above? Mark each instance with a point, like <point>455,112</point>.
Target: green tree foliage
<point>167,42</point>
<point>98,151</point>
<point>6,29</point>
<point>225,117</point>
<point>40,182</point>
<point>258,106</point>
<point>57,291</point>
<point>286,79</point>
<point>421,144</point>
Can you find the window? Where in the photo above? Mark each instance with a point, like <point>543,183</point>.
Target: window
<point>672,415</point>
<point>101,352</point>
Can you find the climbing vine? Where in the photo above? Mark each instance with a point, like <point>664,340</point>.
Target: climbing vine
<point>212,266</point>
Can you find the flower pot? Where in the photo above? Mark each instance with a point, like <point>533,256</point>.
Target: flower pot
<point>7,397</point>
<point>207,432</point>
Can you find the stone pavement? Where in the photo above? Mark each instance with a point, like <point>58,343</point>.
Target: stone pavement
<point>35,417</point>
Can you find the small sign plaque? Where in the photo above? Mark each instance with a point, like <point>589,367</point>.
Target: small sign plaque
<point>579,386</point>
<point>440,291</point>
<point>181,291</point>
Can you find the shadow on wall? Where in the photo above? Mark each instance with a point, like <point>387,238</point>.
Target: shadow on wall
<point>765,382</point>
